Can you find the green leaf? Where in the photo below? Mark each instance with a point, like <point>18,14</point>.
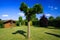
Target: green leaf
<point>37,8</point>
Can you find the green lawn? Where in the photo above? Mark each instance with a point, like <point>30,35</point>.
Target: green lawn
<point>37,33</point>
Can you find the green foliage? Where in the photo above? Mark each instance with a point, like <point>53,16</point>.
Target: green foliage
<point>26,23</point>
<point>23,22</point>
<point>51,18</point>
<point>35,23</point>
<point>58,18</point>
<point>1,24</point>
<point>37,8</point>
<point>20,19</point>
<point>33,18</point>
<point>30,23</point>
<point>23,7</point>
<point>17,23</point>
<point>54,22</point>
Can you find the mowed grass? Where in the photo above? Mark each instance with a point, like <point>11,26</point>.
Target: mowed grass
<point>37,33</point>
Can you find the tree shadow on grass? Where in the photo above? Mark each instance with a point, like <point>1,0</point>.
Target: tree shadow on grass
<point>53,34</point>
<point>20,32</point>
<point>54,28</point>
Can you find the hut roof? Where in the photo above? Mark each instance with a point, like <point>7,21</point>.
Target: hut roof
<point>9,21</point>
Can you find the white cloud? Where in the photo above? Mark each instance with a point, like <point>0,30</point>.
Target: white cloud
<point>48,15</point>
<point>21,14</point>
<point>4,15</point>
<point>53,8</point>
<point>50,6</point>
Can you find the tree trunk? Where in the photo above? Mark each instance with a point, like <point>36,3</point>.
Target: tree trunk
<point>20,23</point>
<point>28,30</point>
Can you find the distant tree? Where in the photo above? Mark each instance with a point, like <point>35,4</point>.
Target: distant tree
<point>57,22</point>
<point>17,23</point>
<point>58,18</point>
<point>0,19</point>
<point>34,18</point>
<point>50,21</point>
<point>43,21</point>
<point>1,24</point>
<point>20,20</point>
<point>54,22</point>
<point>51,18</point>
<point>37,8</point>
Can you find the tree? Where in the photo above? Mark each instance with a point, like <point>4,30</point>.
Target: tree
<point>34,18</point>
<point>58,18</point>
<point>36,9</point>
<point>17,23</point>
<point>51,18</point>
<point>43,21</point>
<point>57,22</point>
<point>1,24</point>
<point>51,21</point>
<point>20,20</point>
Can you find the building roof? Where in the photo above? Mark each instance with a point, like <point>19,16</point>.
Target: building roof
<point>9,21</point>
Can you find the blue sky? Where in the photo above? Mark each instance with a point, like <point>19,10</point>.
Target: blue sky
<point>9,9</point>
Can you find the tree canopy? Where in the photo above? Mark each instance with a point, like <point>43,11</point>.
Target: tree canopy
<point>20,19</point>
<point>58,18</point>
<point>36,9</point>
<point>51,18</point>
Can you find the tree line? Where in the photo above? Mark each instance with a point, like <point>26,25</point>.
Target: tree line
<point>42,22</point>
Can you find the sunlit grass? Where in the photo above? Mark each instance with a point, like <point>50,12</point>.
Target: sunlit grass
<point>37,33</point>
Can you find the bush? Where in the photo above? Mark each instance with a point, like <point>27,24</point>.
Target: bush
<point>55,23</point>
<point>23,23</point>
<point>35,23</point>
<point>26,23</point>
<point>17,23</point>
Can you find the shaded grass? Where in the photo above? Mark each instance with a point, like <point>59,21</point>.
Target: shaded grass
<point>37,33</point>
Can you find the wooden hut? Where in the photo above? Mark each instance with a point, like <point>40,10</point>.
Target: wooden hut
<point>9,24</point>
